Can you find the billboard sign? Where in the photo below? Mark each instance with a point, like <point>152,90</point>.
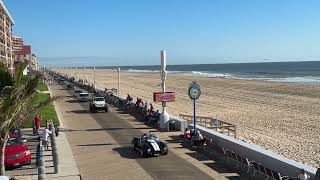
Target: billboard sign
<point>164,97</point>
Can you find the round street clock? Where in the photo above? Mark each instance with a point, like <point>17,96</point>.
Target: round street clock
<point>194,90</point>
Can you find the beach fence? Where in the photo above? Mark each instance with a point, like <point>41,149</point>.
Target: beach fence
<point>212,123</point>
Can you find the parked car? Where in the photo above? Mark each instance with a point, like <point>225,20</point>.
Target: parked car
<point>62,82</point>
<point>149,146</point>
<point>16,153</point>
<point>84,97</point>
<point>98,103</point>
<point>16,133</point>
<point>69,86</point>
<point>77,92</point>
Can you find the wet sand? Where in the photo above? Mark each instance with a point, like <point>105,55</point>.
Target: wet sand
<point>283,118</point>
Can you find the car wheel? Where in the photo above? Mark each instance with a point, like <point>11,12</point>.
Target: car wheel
<point>144,152</point>
<point>106,109</point>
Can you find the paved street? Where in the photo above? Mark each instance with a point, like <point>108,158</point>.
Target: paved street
<point>101,145</point>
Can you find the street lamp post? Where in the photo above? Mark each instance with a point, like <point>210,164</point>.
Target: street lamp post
<point>164,118</point>
<point>76,73</point>
<point>94,77</point>
<point>118,82</point>
<point>83,75</point>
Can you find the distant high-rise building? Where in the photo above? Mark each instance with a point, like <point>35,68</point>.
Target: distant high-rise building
<point>17,48</point>
<point>34,62</point>
<point>6,24</point>
<point>21,52</point>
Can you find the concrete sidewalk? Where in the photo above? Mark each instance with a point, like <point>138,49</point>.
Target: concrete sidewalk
<point>68,169</point>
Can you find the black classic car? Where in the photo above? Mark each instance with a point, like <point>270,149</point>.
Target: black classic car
<point>149,145</point>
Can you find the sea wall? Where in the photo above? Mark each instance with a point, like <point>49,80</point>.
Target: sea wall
<point>255,153</point>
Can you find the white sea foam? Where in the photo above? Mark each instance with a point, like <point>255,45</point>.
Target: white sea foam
<point>300,80</point>
<point>142,71</point>
<point>207,74</point>
<point>185,73</point>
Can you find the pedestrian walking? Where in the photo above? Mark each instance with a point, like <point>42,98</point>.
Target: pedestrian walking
<point>34,127</point>
<point>37,123</point>
<point>45,138</point>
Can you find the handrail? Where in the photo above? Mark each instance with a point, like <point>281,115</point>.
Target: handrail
<point>208,122</point>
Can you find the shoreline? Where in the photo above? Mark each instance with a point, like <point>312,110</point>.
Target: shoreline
<point>275,116</point>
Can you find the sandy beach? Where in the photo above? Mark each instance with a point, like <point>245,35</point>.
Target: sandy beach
<point>283,118</point>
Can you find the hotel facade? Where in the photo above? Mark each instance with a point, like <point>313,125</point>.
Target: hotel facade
<point>6,42</point>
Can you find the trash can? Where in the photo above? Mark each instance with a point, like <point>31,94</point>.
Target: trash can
<point>172,126</point>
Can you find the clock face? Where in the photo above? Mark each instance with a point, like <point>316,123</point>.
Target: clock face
<point>194,92</point>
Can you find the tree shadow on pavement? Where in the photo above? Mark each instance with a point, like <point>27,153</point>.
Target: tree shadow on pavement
<point>88,145</point>
<point>103,129</point>
<point>82,111</point>
<point>72,101</point>
<point>127,152</point>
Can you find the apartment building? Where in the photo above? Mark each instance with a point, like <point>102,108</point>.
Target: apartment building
<point>17,48</point>
<point>6,46</point>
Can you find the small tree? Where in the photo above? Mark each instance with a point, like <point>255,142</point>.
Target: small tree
<point>17,95</point>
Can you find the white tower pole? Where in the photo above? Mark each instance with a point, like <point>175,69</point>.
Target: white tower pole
<point>163,74</point>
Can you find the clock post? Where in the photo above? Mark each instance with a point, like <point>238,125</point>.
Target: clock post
<point>194,93</point>
<point>194,115</point>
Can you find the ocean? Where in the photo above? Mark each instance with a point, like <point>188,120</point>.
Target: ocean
<point>307,72</point>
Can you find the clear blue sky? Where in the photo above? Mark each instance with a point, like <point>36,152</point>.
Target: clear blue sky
<point>132,32</point>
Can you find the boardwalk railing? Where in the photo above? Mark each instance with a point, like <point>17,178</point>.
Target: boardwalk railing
<point>212,123</point>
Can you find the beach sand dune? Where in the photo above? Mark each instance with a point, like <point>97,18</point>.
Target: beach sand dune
<point>283,118</point>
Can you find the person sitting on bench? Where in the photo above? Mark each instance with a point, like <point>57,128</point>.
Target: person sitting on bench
<point>199,139</point>
<point>187,134</point>
<point>302,175</point>
<point>156,116</point>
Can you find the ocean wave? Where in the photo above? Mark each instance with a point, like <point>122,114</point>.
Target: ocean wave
<point>300,80</point>
<point>142,71</point>
<point>186,73</point>
<point>210,74</point>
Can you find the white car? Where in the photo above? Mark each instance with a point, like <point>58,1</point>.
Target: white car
<point>84,97</point>
<point>77,92</point>
<point>98,103</point>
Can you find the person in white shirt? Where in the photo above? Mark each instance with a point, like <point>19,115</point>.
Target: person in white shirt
<point>303,175</point>
<point>45,138</point>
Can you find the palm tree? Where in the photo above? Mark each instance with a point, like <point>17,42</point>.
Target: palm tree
<point>17,94</point>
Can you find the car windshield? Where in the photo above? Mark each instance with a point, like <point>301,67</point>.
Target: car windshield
<point>78,91</point>
<point>13,141</point>
<point>98,99</point>
<point>151,137</point>
<point>84,95</point>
